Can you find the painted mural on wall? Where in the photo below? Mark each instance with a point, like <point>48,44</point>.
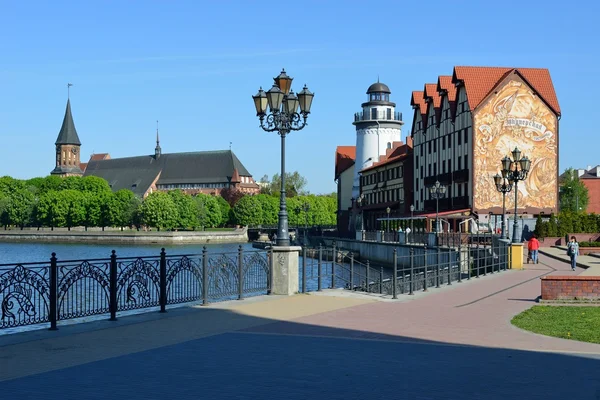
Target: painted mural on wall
<point>515,117</point>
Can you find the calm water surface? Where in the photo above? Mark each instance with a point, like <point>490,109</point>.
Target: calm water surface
<point>11,253</point>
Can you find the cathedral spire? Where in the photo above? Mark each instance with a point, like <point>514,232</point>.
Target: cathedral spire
<point>157,149</point>
<point>68,133</point>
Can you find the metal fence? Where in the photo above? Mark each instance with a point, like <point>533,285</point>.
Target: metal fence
<point>423,268</point>
<point>47,292</point>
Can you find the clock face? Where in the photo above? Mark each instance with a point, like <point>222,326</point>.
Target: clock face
<point>74,150</point>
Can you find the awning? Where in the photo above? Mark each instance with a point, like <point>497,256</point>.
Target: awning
<point>399,218</point>
<point>450,214</point>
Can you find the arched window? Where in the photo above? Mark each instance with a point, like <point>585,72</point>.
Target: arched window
<point>389,145</point>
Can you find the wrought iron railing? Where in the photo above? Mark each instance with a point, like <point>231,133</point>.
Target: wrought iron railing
<point>48,292</point>
<point>419,268</point>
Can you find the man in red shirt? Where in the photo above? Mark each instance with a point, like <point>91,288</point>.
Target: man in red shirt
<point>533,246</point>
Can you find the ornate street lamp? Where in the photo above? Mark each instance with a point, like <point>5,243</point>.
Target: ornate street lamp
<point>437,191</point>
<point>515,170</point>
<point>503,186</point>
<point>412,216</point>
<point>388,218</point>
<point>283,118</point>
<point>359,202</point>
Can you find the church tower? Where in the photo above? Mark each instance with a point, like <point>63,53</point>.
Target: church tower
<point>67,147</point>
<point>378,126</point>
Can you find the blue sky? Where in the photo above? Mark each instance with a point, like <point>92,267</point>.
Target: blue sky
<point>194,65</point>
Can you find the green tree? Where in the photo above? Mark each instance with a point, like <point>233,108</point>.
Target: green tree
<point>540,227</point>
<point>94,184</point>
<point>159,210</point>
<point>295,184</point>
<point>208,211</point>
<point>270,209</point>
<point>186,209</point>
<point>20,207</point>
<point>71,183</point>
<point>51,182</point>
<point>566,223</point>
<point>225,210</point>
<point>552,226</point>
<point>9,185</point>
<point>75,203</point>
<point>573,192</point>
<point>122,212</point>
<point>248,211</point>
<point>96,206</point>
<point>51,209</point>
<point>4,204</point>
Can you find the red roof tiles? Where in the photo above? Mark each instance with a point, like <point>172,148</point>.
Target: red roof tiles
<point>445,84</point>
<point>398,152</point>
<point>344,159</point>
<point>418,100</point>
<point>480,81</point>
<point>431,91</point>
<point>100,156</point>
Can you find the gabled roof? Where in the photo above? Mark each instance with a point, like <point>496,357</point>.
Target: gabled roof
<point>82,166</point>
<point>100,156</point>
<point>398,152</point>
<point>480,81</point>
<point>446,88</point>
<point>417,101</point>
<point>430,91</point>
<point>345,157</point>
<point>68,133</point>
<point>138,173</point>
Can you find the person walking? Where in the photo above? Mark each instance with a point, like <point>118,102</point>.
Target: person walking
<point>533,245</point>
<point>573,251</point>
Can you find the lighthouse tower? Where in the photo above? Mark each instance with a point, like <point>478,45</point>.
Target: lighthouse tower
<point>378,126</point>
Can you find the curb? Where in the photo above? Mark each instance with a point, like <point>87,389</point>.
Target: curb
<point>559,258</point>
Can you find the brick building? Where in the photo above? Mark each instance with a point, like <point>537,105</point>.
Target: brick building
<point>207,172</point>
<point>591,179</point>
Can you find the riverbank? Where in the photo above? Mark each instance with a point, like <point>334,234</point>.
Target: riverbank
<point>127,236</point>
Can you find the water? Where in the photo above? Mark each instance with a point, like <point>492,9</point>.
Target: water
<point>12,253</point>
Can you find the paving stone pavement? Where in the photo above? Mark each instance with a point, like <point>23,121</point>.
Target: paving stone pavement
<point>453,343</point>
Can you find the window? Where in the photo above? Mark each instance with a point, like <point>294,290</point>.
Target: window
<point>389,113</point>
<point>449,142</point>
<point>373,113</point>
<point>434,145</point>
<point>434,169</point>
<point>444,143</point>
<point>429,150</point>
<point>459,163</point>
<point>429,170</point>
<point>459,137</point>
<point>459,190</point>
<point>421,194</point>
<point>467,161</point>
<point>421,150</point>
<point>389,145</point>
<point>449,165</point>
<point>444,167</point>
<point>466,136</point>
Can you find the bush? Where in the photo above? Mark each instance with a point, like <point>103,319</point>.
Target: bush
<point>589,244</point>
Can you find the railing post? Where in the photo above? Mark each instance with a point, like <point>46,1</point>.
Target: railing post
<point>205,282</point>
<point>449,266</point>
<point>333,261</point>
<point>412,271</point>
<point>113,305</point>
<point>163,280</point>
<point>240,273</point>
<point>319,266</point>
<point>352,271</point>
<point>478,258</point>
<point>380,280</point>
<point>53,317</point>
<point>437,268</point>
<point>425,267</point>
<point>459,259</point>
<point>368,288</point>
<point>270,274</point>
<point>303,269</point>
<point>395,276</point>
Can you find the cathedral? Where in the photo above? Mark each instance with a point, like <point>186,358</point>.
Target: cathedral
<point>207,172</point>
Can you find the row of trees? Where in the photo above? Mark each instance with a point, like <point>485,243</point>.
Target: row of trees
<point>567,222</point>
<point>89,202</point>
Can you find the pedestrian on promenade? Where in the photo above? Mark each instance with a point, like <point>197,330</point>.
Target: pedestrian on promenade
<point>533,245</point>
<point>573,251</point>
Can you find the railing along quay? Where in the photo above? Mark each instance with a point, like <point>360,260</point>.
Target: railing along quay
<point>48,292</point>
<point>421,269</point>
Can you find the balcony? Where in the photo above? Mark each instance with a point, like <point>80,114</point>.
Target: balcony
<point>377,115</point>
<point>461,176</point>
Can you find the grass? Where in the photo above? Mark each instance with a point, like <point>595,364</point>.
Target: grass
<point>567,322</point>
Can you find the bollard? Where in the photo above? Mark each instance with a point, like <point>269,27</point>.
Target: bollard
<point>437,268</point>
<point>304,269</point>
<point>425,267</point>
<point>204,277</point>
<point>113,305</point>
<point>240,273</point>
<point>367,277</point>
<point>163,281</point>
<point>351,271</point>
<point>319,265</point>
<point>412,271</point>
<point>395,275</point>
<point>53,314</point>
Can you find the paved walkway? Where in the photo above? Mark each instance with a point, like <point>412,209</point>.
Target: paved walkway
<point>451,343</point>
<point>589,263</point>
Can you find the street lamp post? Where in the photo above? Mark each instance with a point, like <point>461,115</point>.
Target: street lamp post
<point>412,215</point>
<point>516,169</point>
<point>359,201</point>
<point>388,218</point>
<point>283,118</point>
<point>437,191</point>
<point>503,186</point>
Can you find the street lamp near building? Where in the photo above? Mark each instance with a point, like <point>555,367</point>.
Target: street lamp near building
<point>504,186</point>
<point>515,169</point>
<point>388,210</point>
<point>437,191</point>
<point>412,216</point>
<point>283,117</point>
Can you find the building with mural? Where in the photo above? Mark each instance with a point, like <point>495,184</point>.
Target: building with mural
<point>466,123</point>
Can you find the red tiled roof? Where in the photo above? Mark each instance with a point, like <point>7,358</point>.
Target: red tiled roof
<point>83,166</point>
<point>235,176</point>
<point>480,81</point>
<point>418,100</point>
<point>344,159</point>
<point>445,83</point>
<point>431,91</point>
<point>399,151</point>
<point>100,156</point>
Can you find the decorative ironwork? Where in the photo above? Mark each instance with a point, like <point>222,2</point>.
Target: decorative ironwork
<point>222,277</point>
<point>184,280</point>
<point>138,284</point>
<point>24,296</point>
<point>83,290</point>
<point>256,272</point>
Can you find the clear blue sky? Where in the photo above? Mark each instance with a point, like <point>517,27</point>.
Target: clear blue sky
<point>194,65</point>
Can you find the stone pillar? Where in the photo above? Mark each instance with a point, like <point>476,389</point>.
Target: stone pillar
<point>285,270</point>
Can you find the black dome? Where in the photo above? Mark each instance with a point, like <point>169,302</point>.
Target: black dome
<point>378,88</point>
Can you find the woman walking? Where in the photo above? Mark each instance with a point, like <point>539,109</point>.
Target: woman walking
<point>573,251</point>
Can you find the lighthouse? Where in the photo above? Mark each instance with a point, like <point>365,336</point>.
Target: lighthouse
<point>378,126</point>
